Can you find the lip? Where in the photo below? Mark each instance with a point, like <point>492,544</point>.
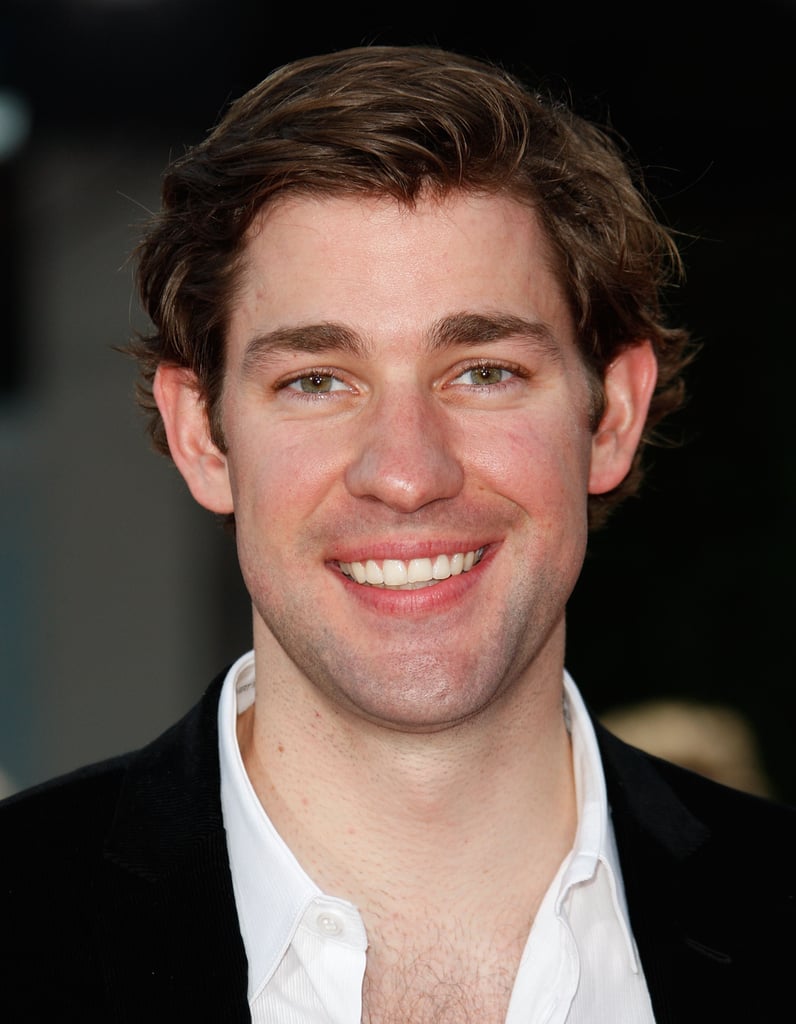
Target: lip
<point>442,596</point>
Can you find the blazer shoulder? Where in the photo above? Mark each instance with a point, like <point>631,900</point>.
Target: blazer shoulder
<point>79,810</point>
<point>61,810</point>
<point>657,784</point>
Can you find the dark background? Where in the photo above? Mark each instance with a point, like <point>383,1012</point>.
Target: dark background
<point>688,591</point>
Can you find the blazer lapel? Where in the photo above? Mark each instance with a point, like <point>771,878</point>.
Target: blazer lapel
<point>692,859</point>
<point>173,948</point>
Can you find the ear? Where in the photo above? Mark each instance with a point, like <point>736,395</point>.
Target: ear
<point>628,385</point>
<point>201,462</point>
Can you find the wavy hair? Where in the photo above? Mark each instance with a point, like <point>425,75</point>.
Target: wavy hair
<point>409,122</point>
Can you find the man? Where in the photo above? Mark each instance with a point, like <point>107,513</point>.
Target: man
<point>408,340</point>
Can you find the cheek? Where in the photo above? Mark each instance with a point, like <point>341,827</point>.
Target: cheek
<point>282,480</point>
<point>539,465</point>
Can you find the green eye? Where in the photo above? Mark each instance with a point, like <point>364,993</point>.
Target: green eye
<point>483,376</point>
<point>316,384</point>
<point>487,375</point>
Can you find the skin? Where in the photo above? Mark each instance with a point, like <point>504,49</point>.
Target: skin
<point>402,383</point>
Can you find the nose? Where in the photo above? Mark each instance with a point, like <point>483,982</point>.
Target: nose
<point>403,455</point>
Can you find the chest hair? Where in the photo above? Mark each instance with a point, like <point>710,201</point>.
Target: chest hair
<point>455,979</point>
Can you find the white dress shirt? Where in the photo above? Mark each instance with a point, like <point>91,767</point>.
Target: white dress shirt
<point>307,949</point>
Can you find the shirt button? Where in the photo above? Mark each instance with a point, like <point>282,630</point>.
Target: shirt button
<point>330,924</point>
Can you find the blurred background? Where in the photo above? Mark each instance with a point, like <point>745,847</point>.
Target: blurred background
<point>119,599</point>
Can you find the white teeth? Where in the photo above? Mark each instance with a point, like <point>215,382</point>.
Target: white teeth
<point>417,572</point>
<point>396,572</point>
<point>442,567</point>
<point>373,572</point>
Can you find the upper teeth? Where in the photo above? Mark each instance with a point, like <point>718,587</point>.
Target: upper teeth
<point>395,572</point>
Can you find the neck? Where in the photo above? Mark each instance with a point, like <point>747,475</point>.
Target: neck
<point>465,810</point>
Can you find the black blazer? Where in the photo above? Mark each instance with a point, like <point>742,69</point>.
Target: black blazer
<point>116,901</point>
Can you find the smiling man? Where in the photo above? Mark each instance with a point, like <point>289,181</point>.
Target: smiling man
<point>407,336</point>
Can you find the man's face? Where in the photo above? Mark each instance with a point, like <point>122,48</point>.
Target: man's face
<point>408,452</point>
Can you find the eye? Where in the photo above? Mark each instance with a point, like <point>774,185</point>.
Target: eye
<point>484,375</point>
<point>316,384</point>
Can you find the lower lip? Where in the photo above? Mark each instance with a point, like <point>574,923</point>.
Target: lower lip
<point>422,601</point>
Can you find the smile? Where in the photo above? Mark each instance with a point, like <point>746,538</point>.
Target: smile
<point>396,574</point>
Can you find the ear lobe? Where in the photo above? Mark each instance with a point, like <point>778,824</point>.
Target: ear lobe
<point>201,463</point>
<point>629,384</point>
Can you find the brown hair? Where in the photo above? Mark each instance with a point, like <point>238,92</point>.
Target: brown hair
<point>405,122</point>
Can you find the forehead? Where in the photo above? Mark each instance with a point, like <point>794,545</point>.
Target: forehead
<point>381,265</point>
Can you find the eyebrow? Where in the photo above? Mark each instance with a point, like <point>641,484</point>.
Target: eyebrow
<point>468,329</point>
<point>479,328</point>
<point>309,339</point>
